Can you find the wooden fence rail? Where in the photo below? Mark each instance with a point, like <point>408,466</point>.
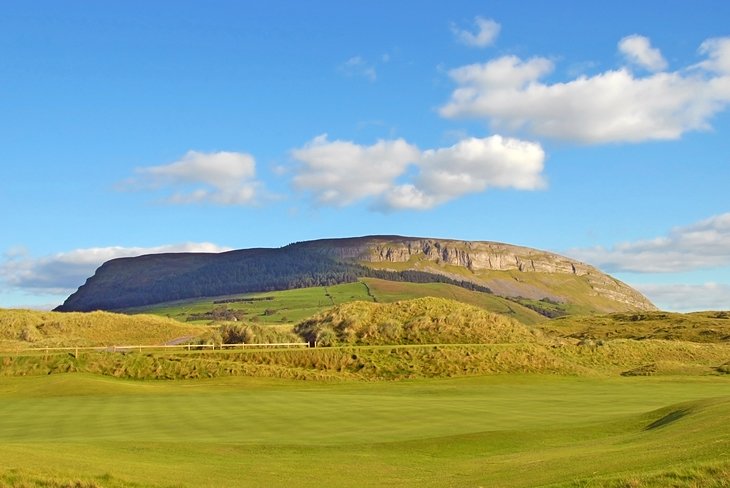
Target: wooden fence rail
<point>140,348</point>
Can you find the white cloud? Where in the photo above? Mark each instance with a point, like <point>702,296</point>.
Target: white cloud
<point>487,31</point>
<point>637,50</point>
<point>470,166</point>
<point>62,273</point>
<point>688,298</point>
<point>613,106</point>
<point>703,245</point>
<point>342,172</point>
<point>357,66</point>
<point>221,178</point>
<point>717,51</point>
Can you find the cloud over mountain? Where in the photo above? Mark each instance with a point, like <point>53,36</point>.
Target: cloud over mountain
<point>613,106</point>
<point>220,178</point>
<point>471,166</point>
<point>702,245</point>
<point>339,172</point>
<point>396,175</point>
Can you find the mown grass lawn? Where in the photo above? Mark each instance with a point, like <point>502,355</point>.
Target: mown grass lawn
<point>486,431</point>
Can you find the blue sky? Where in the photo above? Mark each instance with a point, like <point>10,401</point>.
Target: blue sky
<point>597,131</point>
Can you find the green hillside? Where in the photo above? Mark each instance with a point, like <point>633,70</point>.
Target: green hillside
<point>385,291</point>
<point>293,306</point>
<point>574,295</point>
<point>277,307</point>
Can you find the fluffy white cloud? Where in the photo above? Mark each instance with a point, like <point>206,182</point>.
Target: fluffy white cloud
<point>342,172</point>
<point>717,51</point>
<point>637,50</point>
<point>614,106</point>
<point>221,178</point>
<point>688,298</point>
<point>357,66</point>
<point>62,273</point>
<point>487,31</point>
<point>703,245</point>
<point>470,166</point>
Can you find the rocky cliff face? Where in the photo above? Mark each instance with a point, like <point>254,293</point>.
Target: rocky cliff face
<point>475,256</point>
<point>481,258</point>
<point>508,271</point>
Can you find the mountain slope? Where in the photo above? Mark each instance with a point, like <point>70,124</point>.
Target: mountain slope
<point>510,271</point>
<point>507,270</point>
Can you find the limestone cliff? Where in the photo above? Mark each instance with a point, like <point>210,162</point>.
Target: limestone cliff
<point>511,271</point>
<point>508,271</point>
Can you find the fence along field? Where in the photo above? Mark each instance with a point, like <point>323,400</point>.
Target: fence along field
<point>161,347</point>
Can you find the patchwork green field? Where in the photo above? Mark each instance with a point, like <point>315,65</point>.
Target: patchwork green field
<point>505,430</point>
<point>293,306</point>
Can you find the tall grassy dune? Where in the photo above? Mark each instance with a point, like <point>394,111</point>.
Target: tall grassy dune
<point>27,328</point>
<point>419,321</point>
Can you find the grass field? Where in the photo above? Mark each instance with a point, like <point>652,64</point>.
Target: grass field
<point>621,400</point>
<point>512,430</point>
<point>279,307</point>
<point>293,306</point>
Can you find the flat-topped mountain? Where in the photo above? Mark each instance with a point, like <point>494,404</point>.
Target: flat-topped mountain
<point>505,270</point>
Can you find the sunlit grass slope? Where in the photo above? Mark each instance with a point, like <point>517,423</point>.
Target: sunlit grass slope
<point>278,307</point>
<point>390,291</point>
<point>576,292</point>
<point>28,328</point>
<point>694,327</point>
<point>293,306</point>
<point>501,431</point>
<point>418,321</point>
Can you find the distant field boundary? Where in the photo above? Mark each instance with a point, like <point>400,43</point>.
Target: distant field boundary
<point>140,348</point>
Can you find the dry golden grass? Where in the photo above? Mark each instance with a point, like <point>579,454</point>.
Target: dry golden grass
<point>691,327</point>
<point>420,321</point>
<point>27,328</point>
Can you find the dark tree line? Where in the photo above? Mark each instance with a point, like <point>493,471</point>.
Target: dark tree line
<point>258,270</point>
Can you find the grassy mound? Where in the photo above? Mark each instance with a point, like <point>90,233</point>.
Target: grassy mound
<point>27,328</point>
<point>419,321</point>
<point>692,327</point>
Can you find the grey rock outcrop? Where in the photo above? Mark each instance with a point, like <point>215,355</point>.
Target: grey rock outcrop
<point>480,258</point>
